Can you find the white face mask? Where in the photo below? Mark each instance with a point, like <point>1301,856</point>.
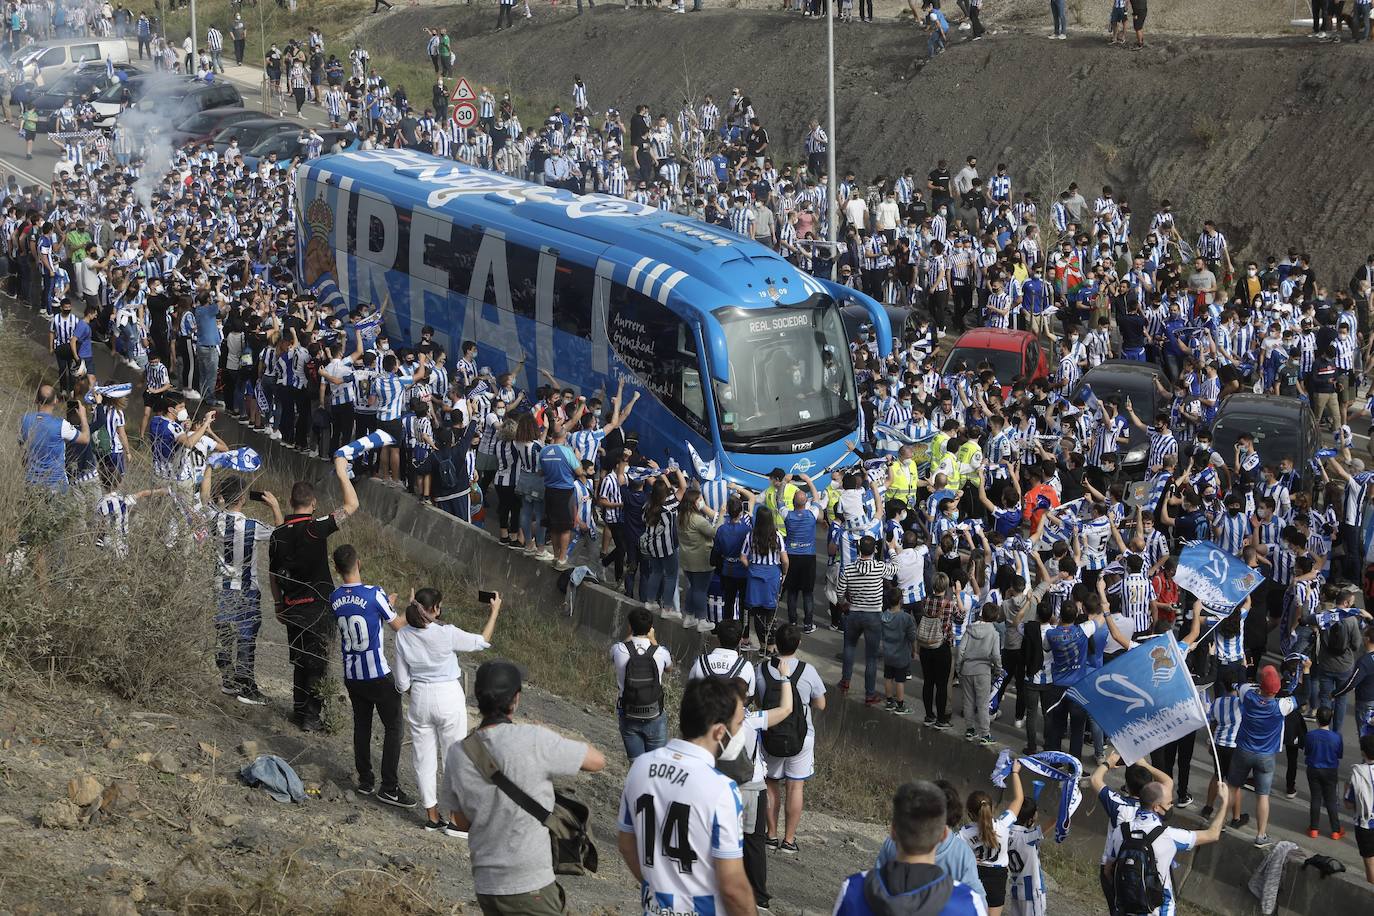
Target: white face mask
<point>735,746</point>
<point>182,415</point>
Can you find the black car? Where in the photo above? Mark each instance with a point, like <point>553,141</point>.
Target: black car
<point>203,125</point>
<point>188,97</point>
<point>86,81</point>
<point>1122,380</point>
<point>857,319</point>
<point>250,133</point>
<point>1283,428</point>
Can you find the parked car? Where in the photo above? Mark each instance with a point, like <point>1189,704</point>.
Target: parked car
<point>1283,427</point>
<point>58,55</point>
<point>1124,380</point>
<point>250,132</point>
<point>203,125</point>
<point>89,80</point>
<point>1011,354</point>
<point>111,100</point>
<point>288,144</point>
<point>856,320</point>
<point>187,97</point>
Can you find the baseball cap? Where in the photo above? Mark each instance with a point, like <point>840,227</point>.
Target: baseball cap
<point>498,680</point>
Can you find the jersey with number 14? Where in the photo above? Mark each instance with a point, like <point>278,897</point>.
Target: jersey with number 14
<point>684,813</point>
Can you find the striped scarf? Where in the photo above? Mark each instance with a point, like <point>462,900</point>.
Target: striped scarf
<point>1065,769</point>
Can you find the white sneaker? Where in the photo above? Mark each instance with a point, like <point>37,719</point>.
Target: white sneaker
<point>689,621</point>
<point>705,626</point>
<point>1020,723</point>
<point>544,556</point>
<point>965,26</point>
<point>671,614</point>
<point>1063,36</point>
<point>651,605</point>
<point>191,394</point>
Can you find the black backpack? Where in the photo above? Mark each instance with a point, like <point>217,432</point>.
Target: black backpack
<point>741,769</point>
<point>642,696</point>
<point>448,475</point>
<point>787,737</point>
<point>1337,638</point>
<point>1137,888</point>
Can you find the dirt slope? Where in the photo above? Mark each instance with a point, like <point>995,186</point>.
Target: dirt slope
<point>1266,135</point>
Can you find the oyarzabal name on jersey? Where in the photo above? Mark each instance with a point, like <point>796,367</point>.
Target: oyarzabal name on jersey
<point>675,776</point>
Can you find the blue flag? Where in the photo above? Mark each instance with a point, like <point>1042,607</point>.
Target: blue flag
<point>240,459</point>
<point>1143,698</point>
<point>1219,579</point>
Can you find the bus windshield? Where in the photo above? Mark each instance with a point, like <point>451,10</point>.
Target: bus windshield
<point>790,375</point>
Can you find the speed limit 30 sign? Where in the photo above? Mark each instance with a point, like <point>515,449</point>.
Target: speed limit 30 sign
<point>464,114</point>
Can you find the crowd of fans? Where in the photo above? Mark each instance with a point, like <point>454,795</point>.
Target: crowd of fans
<point>988,535</point>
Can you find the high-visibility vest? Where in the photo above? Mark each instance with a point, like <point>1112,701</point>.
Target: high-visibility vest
<point>969,463</point>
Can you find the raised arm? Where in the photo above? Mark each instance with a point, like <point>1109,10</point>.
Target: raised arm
<point>350,495</point>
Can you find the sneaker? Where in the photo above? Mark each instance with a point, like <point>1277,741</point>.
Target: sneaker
<point>560,565</point>
<point>943,725</point>
<point>1206,812</point>
<point>396,797</point>
<point>365,788</point>
<point>1313,832</point>
<point>843,686</point>
<point>1020,723</point>
<point>430,825</point>
<point>1291,793</point>
<point>986,741</point>
<point>1063,36</point>
<point>901,709</point>
<point>772,842</point>
<point>651,605</point>
<point>969,734</point>
<point>228,688</point>
<point>453,830</point>
<point>689,621</point>
<point>252,696</point>
<point>872,700</point>
<point>672,614</point>
<point>530,549</point>
<point>705,626</point>
<point>1184,800</point>
<point>1239,822</point>
<point>889,703</point>
<point>1338,835</point>
<point>965,26</point>
<point>1264,841</point>
<point>789,849</point>
<point>928,721</point>
<point>544,556</point>
<point>809,628</point>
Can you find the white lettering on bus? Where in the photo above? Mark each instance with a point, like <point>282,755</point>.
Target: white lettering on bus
<point>500,333</point>
<point>376,247</point>
<point>780,324</point>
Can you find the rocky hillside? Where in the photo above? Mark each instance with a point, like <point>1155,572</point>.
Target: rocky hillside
<point>1265,134</point>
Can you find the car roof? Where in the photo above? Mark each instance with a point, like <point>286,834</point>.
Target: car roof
<point>994,339</point>
<point>1245,402</point>
<point>1119,367</point>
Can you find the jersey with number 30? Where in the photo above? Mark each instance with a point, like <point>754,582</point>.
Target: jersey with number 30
<point>1027,891</point>
<point>684,813</point>
<point>360,612</point>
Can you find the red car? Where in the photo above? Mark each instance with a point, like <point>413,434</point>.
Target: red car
<point>1011,353</point>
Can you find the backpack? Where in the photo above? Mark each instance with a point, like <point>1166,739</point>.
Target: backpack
<point>741,769</point>
<point>642,696</point>
<point>787,737</point>
<point>1137,888</point>
<point>101,443</point>
<point>448,475</point>
<point>1337,639</point>
<point>930,632</point>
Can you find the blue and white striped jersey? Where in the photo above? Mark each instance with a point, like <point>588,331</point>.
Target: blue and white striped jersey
<point>361,611</point>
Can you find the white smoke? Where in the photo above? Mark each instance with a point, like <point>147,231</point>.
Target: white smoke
<point>149,124</point>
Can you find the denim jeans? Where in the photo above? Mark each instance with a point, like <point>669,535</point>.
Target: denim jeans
<point>1327,684</point>
<point>869,625</point>
<point>1061,24</point>
<point>660,584</point>
<point>642,735</point>
<point>698,584</point>
<point>238,618</point>
<point>1066,715</point>
<point>207,370</point>
<point>531,511</point>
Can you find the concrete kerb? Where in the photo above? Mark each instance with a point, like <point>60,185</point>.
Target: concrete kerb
<point>1215,877</point>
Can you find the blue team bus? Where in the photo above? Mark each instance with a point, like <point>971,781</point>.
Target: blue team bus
<point>734,350</point>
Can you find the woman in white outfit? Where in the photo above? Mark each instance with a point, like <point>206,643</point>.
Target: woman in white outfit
<point>427,668</point>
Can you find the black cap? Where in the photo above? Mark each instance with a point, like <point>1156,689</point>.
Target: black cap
<point>777,474</point>
<point>499,680</point>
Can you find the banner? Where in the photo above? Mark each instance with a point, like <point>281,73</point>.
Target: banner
<point>1065,769</point>
<point>1144,698</point>
<point>1219,579</point>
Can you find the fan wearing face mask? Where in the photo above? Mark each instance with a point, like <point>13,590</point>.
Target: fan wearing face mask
<point>684,823</point>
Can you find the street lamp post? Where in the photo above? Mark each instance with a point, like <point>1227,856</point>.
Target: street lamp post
<point>195,36</point>
<point>832,222</point>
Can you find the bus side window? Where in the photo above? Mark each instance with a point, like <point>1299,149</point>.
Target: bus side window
<point>523,265</point>
<point>460,257</point>
<point>661,349</point>
<point>573,285</point>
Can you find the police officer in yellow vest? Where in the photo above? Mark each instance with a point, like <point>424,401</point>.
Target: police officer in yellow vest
<point>903,477</point>
<point>939,446</point>
<point>778,496</point>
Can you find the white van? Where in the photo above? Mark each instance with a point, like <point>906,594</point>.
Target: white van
<point>60,55</point>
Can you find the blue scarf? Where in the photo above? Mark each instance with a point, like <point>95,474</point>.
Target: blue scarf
<point>1064,769</point>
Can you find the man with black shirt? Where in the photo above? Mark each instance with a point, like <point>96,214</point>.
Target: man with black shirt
<point>1321,385</point>
<point>757,142</point>
<point>938,183</point>
<point>298,557</point>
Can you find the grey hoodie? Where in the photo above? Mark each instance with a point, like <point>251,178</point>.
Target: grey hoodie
<point>980,650</point>
<point>907,889</point>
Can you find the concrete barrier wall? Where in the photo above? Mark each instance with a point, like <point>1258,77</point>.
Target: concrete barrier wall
<point>1216,877</point>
